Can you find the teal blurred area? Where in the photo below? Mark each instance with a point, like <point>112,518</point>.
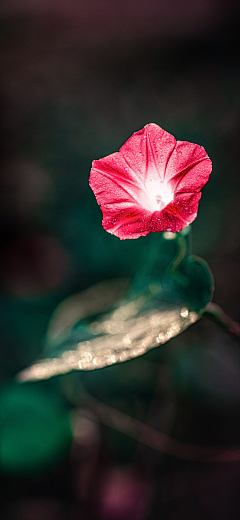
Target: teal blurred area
<point>76,80</point>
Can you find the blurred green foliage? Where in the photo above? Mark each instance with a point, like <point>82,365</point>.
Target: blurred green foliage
<point>34,428</point>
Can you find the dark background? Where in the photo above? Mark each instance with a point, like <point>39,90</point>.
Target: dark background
<point>77,79</point>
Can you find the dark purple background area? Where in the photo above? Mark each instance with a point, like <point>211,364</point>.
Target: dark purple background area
<point>77,79</point>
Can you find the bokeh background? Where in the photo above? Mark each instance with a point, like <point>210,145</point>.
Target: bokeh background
<point>77,79</point>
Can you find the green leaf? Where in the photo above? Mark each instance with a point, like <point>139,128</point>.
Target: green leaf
<point>34,429</point>
<point>168,292</point>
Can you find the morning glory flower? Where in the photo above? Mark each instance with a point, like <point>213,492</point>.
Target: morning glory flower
<point>152,184</point>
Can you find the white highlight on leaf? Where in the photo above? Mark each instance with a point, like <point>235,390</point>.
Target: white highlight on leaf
<point>129,336</point>
<point>184,312</point>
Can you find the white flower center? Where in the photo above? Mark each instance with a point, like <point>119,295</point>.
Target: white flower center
<point>158,195</point>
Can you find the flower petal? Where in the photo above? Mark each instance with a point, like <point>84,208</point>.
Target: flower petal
<point>119,196</point>
<point>131,222</point>
<point>111,180</point>
<point>147,152</point>
<point>151,171</point>
<point>176,215</point>
<point>188,168</point>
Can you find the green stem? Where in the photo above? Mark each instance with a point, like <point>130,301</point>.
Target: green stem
<point>181,253</point>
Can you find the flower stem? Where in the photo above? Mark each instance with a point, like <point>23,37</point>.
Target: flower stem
<point>181,253</point>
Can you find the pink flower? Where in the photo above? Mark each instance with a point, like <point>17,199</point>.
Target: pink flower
<point>152,184</point>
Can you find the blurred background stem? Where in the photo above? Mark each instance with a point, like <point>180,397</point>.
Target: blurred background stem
<point>215,313</point>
